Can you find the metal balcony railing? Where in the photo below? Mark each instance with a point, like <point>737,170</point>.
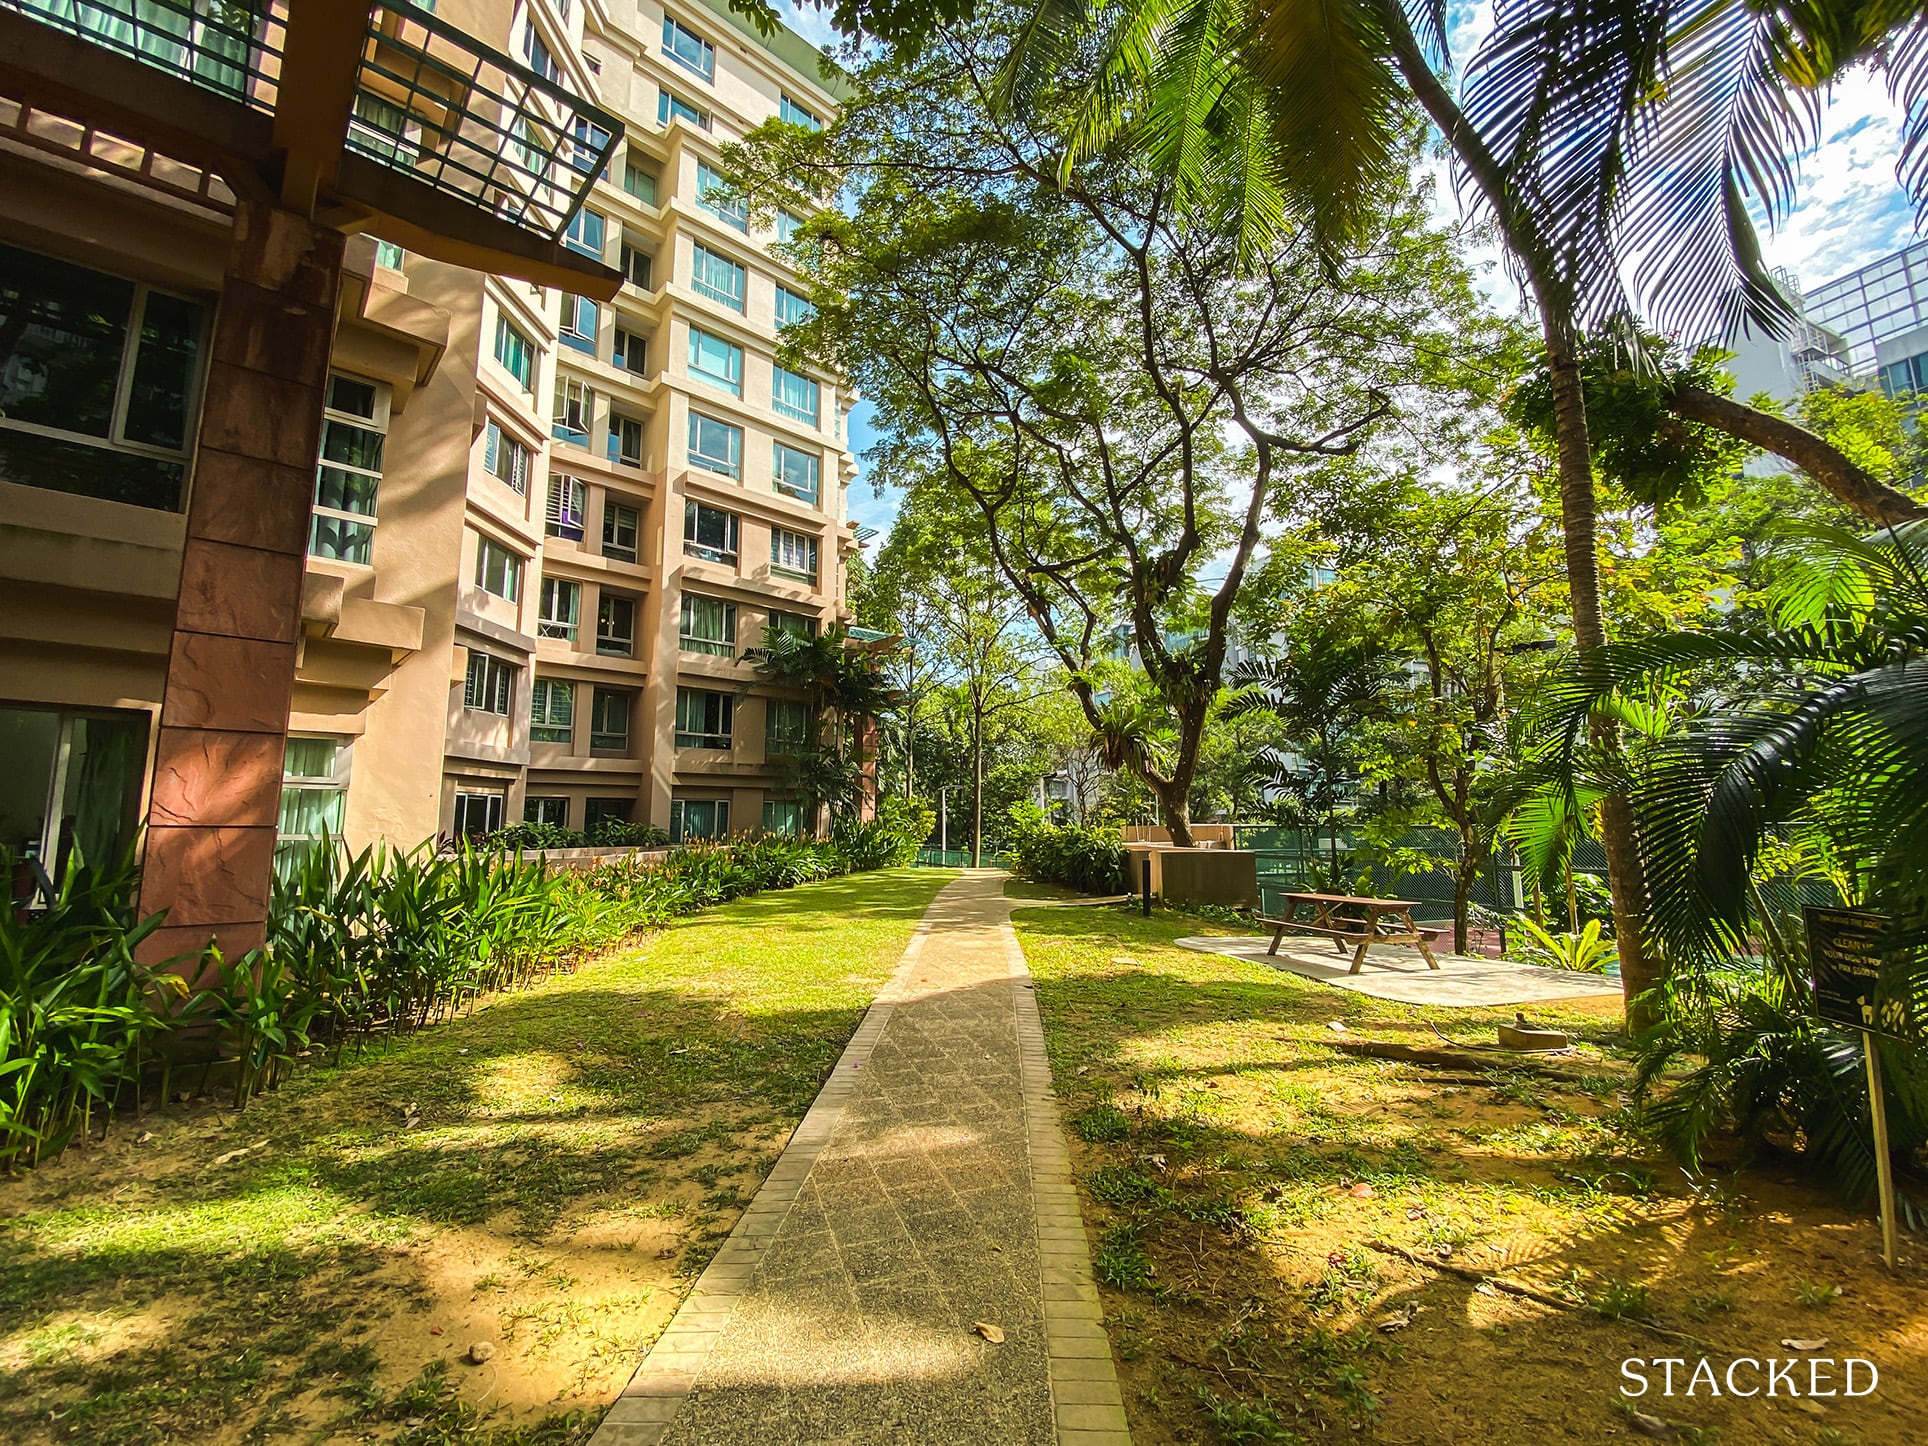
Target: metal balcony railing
<point>430,102</point>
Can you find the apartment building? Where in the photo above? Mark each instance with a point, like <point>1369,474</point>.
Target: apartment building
<point>545,527</point>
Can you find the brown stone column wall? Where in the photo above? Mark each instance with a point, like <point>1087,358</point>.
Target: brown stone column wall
<point>230,673</point>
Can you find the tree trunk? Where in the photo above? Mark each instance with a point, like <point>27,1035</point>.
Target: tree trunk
<point>977,790</point>
<point>1464,876</point>
<point>1174,806</point>
<point>1577,515</point>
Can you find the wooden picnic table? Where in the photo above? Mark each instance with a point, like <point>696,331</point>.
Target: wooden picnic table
<point>1349,919</point>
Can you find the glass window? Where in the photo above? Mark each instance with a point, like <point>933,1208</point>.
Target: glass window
<point>719,278</point>
<point>586,233</point>
<point>537,54</point>
<point>497,570</point>
<point>349,473</point>
<point>709,626</point>
<point>792,308</point>
<point>784,816</point>
<point>800,624</point>
<point>788,224</point>
<point>71,784</point>
<point>616,626</point>
<point>712,194</point>
<point>716,446</point>
<point>506,459</point>
<point>799,115</point>
<point>578,325</point>
<point>673,107</point>
<point>620,525</point>
<point>568,499</point>
<point>314,795</point>
<point>794,396</point>
<point>489,684</point>
<point>614,810</point>
<point>609,721</point>
<point>478,815</point>
<point>794,473</point>
<point>691,819</point>
<point>587,140</point>
<point>516,353</point>
<point>688,49</point>
<point>96,382</point>
<point>384,130</point>
<point>716,361</point>
<point>625,440</point>
<point>388,254</point>
<point>710,533</point>
<point>793,553</point>
<point>703,718</point>
<point>632,352</point>
<point>637,267</point>
<point>561,609</point>
<point>640,182</point>
<point>786,726</point>
<point>575,403</point>
<point>551,810</point>
<point>552,711</point>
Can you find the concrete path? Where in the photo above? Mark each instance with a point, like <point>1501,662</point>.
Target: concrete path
<point>1396,972</point>
<point>927,1190</point>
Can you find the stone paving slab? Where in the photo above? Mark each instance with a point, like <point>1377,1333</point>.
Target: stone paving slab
<point>1394,972</point>
<point>928,1188</point>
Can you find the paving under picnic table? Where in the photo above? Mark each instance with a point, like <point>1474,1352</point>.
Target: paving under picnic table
<point>1460,982</point>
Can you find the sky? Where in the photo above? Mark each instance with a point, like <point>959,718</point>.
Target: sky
<point>1849,210</point>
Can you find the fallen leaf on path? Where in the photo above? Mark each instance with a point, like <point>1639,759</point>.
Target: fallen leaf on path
<point>145,1136</point>
<point>1397,1321</point>
<point>1486,1287</point>
<point>1813,1345</point>
<point>990,1332</point>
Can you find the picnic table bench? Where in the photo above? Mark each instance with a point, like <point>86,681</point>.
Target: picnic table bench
<point>1348,919</point>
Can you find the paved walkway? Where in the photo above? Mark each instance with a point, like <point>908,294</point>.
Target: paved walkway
<point>927,1190</point>
<point>1395,972</point>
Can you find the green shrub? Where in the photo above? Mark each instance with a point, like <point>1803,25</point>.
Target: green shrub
<point>537,836</point>
<point>1091,860</point>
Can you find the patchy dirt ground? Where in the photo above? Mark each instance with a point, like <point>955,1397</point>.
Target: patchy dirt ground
<point>545,1177</point>
<point>1300,1241</point>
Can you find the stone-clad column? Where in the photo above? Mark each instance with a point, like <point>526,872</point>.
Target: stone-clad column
<point>230,671</point>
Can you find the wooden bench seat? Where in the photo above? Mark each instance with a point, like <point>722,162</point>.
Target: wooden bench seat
<point>1382,921</point>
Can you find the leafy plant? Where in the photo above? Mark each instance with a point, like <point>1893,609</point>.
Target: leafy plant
<point>1585,952</point>
<point>1091,860</point>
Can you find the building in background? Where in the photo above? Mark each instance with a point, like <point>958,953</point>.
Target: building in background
<point>1874,303</point>
<point>1812,355</point>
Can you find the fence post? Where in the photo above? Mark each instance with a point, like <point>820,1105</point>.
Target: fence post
<point>1144,876</point>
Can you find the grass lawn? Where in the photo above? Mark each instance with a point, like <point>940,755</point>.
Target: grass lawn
<point>1294,1240</point>
<point>548,1175</point>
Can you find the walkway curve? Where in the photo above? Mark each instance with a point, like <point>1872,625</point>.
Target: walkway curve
<point>927,1190</point>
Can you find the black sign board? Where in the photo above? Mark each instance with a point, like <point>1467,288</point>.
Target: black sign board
<point>1858,981</point>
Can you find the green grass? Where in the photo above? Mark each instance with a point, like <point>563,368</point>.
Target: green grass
<point>152,1295</point>
<point>1016,888</point>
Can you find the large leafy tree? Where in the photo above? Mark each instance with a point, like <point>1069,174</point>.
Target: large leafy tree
<point>1116,393</point>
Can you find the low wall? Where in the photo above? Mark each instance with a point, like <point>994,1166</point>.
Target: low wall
<point>588,858</point>
<point>1204,835</point>
<point>1222,876</point>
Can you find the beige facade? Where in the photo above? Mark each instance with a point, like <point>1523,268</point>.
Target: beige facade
<point>493,615</point>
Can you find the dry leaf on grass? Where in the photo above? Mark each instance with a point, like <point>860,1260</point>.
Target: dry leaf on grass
<point>990,1332</point>
<point>1814,1345</point>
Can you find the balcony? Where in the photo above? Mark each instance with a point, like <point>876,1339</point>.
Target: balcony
<point>389,118</point>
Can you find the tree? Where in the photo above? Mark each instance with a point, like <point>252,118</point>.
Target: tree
<point>845,689</point>
<point>1117,394</point>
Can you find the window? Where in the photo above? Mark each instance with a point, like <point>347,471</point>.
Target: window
<point>794,473</point>
<point>783,816</point>
<point>609,722</point>
<point>797,115</point>
<point>516,353</point>
<point>792,308</point>
<point>703,718</point>
<point>786,726</point>
<point>718,278</point>
<point>625,440</point>
<point>388,254</point>
<point>716,361</point>
<point>793,554</point>
<point>537,54</point>
<point>561,609</point>
<point>314,795</point>
<point>799,624</point>
<point>597,810</point>
<point>710,533</point>
<point>586,232</point>
<point>349,472</point>
<point>568,499</point>
<point>698,818</point>
<point>489,684</point>
<point>637,267</point>
<point>674,107</point>
<point>73,781</point>
<point>97,382</point>
<point>497,570</point>
<point>712,188</point>
<point>478,814</point>
<point>688,49</point>
<point>709,626</point>
<point>384,130</point>
<point>553,811</point>
<point>578,326</point>
<point>575,403</point>
<point>788,224</point>
<point>715,446</point>
<point>640,182</point>
<point>616,626</point>
<point>632,352</point>
<point>552,711</point>
<point>587,142</point>
<point>620,525</point>
<point>794,396</point>
<point>505,458</point>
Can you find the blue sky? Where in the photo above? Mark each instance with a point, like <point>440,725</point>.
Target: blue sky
<point>1851,211</point>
